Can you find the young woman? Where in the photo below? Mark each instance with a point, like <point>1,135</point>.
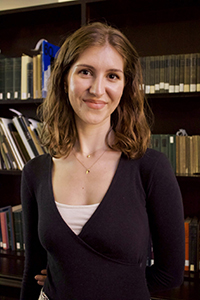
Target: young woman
<point>92,203</point>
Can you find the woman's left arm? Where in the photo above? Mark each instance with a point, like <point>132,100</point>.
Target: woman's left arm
<point>166,220</point>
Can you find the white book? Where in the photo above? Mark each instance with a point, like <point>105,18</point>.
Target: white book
<point>25,60</point>
<point>17,156</point>
<point>23,137</point>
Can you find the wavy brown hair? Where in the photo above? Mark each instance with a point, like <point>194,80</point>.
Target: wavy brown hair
<point>128,121</point>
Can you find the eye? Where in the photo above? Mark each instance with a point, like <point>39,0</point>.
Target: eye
<point>113,76</point>
<point>85,72</point>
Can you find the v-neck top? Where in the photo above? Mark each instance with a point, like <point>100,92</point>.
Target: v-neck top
<point>107,259</point>
<point>76,215</point>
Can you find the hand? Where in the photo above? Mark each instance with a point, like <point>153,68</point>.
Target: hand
<point>41,278</point>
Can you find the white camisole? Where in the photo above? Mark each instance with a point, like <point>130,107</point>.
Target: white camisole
<point>76,215</point>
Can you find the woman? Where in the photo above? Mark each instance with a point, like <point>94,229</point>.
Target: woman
<point>91,204</point>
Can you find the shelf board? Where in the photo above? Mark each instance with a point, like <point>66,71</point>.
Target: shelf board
<point>19,101</point>
<point>173,95</point>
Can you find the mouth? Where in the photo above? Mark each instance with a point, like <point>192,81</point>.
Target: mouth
<point>95,104</point>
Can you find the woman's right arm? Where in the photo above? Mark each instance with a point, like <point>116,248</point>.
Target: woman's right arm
<point>35,255</point>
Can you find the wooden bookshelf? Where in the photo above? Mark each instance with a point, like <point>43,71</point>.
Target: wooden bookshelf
<point>155,28</point>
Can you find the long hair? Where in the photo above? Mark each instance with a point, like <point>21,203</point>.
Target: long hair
<point>128,121</point>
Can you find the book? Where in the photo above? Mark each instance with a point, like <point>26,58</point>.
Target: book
<point>194,244</point>
<point>7,227</point>
<point>172,151</point>
<point>17,77</point>
<point>187,244</point>
<point>176,73</point>
<point>181,73</point>
<point>18,227</point>
<point>171,73</point>
<point>167,70</point>
<point>157,74</point>
<point>25,60</point>
<point>4,230</point>
<point>26,138</point>
<point>147,77</point>
<point>9,84</point>
<point>152,74</point>
<point>193,72</point>
<point>198,72</point>
<point>49,53</point>
<point>6,125</point>
<point>37,76</point>
<point>162,74</point>
<point>6,151</point>
<point>187,73</point>
<point>2,78</point>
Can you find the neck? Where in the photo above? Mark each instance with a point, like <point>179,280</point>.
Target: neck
<point>92,138</point>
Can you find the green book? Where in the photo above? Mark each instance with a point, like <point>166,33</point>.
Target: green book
<point>181,73</point>
<point>9,92</point>
<point>157,74</point>
<point>17,77</point>
<point>187,73</point>
<point>162,74</point>
<point>176,73</point>
<point>193,72</point>
<point>172,74</point>
<point>2,78</point>
<point>172,151</point>
<point>198,72</point>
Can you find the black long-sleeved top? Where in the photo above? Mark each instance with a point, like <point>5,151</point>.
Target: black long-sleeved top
<point>107,260</point>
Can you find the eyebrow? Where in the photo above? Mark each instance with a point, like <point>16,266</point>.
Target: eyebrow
<point>91,67</point>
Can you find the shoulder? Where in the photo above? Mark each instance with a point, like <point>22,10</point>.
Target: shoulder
<point>38,164</point>
<point>151,160</point>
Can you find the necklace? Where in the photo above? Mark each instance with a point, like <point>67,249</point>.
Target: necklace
<point>88,169</point>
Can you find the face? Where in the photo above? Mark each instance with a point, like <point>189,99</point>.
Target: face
<point>95,85</point>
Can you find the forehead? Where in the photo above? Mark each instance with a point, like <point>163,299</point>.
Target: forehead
<point>102,56</point>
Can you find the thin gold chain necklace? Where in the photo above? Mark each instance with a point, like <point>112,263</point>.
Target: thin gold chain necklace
<point>88,169</point>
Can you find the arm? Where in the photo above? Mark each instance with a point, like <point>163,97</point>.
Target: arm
<point>166,219</point>
<point>35,255</point>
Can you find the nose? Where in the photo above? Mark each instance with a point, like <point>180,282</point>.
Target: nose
<point>97,87</point>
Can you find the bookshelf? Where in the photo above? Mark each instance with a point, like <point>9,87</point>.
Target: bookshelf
<point>155,28</point>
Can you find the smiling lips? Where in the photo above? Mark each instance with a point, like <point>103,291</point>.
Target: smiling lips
<point>95,104</point>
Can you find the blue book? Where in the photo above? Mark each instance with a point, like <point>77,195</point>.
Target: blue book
<point>49,52</point>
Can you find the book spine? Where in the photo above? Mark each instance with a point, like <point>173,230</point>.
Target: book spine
<point>187,73</point>
<point>2,79</point>
<point>162,74</point>
<point>157,74</point>
<point>5,240</point>
<point>17,77</point>
<point>147,78</point>
<point>152,74</point>
<point>177,74</point>
<point>198,72</point>
<point>167,71</point>
<point>25,136</point>
<point>172,151</point>
<point>9,93</point>
<point>172,74</point>
<point>193,72</point>
<point>193,245</point>
<point>181,73</point>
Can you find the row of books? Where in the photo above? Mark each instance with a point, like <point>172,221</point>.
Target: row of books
<point>171,73</point>
<point>192,245</point>
<point>19,142</point>
<point>11,228</point>
<point>26,76</point>
<point>183,151</point>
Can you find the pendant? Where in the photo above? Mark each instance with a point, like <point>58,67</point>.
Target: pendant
<point>88,156</point>
<point>87,171</point>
